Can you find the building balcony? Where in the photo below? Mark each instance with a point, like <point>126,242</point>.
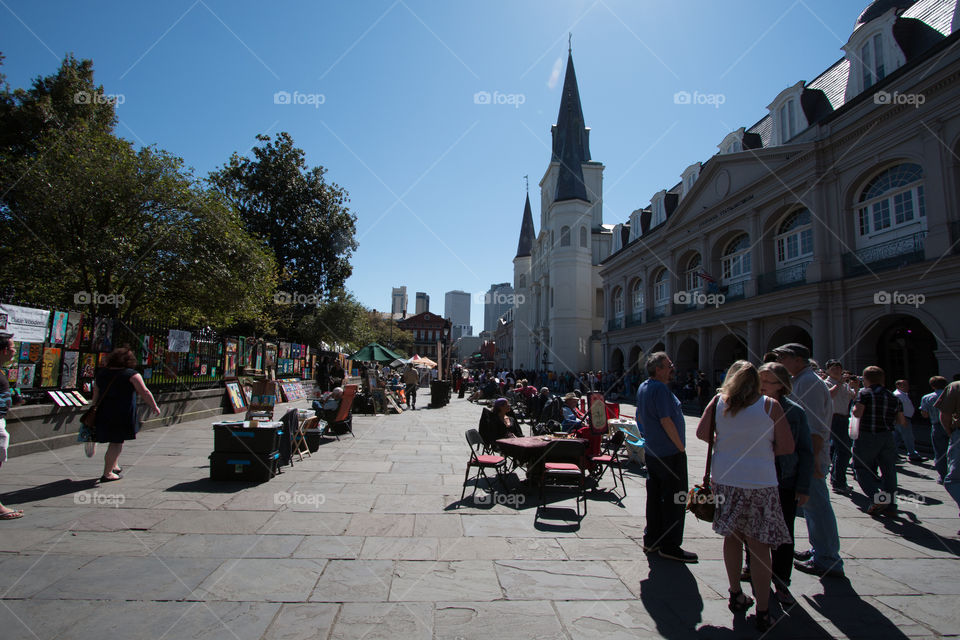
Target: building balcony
<point>734,291</point>
<point>614,323</point>
<point>635,319</point>
<point>657,312</point>
<point>894,254</point>
<point>785,278</point>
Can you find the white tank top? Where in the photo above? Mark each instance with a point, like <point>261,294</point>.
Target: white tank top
<point>743,453</point>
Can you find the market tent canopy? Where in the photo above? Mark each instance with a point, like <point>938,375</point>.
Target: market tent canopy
<point>375,352</point>
<point>418,361</point>
<point>399,362</point>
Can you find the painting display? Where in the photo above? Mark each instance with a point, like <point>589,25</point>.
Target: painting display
<point>58,330</point>
<point>50,373</point>
<point>237,400</point>
<point>26,375</point>
<point>88,365</point>
<point>71,338</point>
<point>103,335</point>
<point>71,362</point>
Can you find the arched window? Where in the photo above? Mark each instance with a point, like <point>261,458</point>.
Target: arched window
<point>736,259</point>
<point>564,236</point>
<point>618,303</point>
<point>636,297</point>
<point>893,199</point>
<point>694,274</point>
<point>661,288</point>
<point>794,239</point>
<point>583,236</point>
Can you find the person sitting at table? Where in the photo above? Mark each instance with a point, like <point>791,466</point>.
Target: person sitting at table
<point>573,418</point>
<point>326,408</point>
<point>498,423</point>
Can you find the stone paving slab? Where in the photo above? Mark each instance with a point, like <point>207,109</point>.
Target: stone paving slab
<point>368,538</point>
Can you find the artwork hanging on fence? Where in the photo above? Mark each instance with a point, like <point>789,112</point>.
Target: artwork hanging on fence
<point>13,375</point>
<point>71,361</point>
<point>24,352</point>
<point>178,341</point>
<point>71,339</point>
<point>36,352</point>
<point>147,373</point>
<point>50,373</point>
<point>58,329</point>
<point>230,359</point>
<point>26,375</point>
<point>102,359</point>
<point>103,335</point>
<point>88,365</point>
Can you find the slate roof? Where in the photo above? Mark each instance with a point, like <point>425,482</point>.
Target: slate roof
<point>527,233</point>
<point>571,143</point>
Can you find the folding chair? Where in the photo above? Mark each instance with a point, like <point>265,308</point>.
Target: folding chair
<point>565,465</point>
<point>610,458</point>
<point>482,462</point>
<point>344,417</point>
<point>299,440</point>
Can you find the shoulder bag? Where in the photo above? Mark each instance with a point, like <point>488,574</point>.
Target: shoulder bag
<point>700,500</point>
<point>89,417</point>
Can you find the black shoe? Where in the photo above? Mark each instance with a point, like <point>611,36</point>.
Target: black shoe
<point>679,555</point>
<point>808,567</point>
<point>841,488</point>
<point>803,555</point>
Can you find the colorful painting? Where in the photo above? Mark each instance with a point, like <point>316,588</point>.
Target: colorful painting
<point>50,373</point>
<point>13,375</point>
<point>178,341</point>
<point>36,352</point>
<point>230,359</point>
<point>237,400</point>
<point>71,339</point>
<point>102,359</point>
<point>24,352</point>
<point>103,335</point>
<point>26,375</point>
<point>71,362</point>
<point>88,365</point>
<point>58,330</point>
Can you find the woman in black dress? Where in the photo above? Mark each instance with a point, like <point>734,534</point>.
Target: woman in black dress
<point>117,420</point>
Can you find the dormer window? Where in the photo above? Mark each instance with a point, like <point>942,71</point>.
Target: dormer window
<point>871,57</point>
<point>788,117</point>
<point>659,212</point>
<point>788,120</point>
<point>689,177</point>
<point>732,143</point>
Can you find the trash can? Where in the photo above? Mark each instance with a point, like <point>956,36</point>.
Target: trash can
<point>439,393</point>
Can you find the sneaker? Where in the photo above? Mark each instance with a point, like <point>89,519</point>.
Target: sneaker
<point>807,566</point>
<point>803,555</point>
<point>679,555</point>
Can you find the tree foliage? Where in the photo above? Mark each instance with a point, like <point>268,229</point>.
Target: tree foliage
<point>343,320</point>
<point>303,219</point>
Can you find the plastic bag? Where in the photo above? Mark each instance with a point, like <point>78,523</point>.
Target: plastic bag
<point>854,430</point>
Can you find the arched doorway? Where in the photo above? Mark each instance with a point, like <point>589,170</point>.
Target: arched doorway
<point>636,359</point>
<point>688,358</point>
<point>904,348</point>
<point>616,361</point>
<point>730,349</point>
<point>788,334</point>
<point>658,347</point>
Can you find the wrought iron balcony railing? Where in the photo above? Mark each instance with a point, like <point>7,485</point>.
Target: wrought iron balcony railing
<point>894,254</point>
<point>785,278</point>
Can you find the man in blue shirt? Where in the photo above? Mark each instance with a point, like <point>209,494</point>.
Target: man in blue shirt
<point>658,410</point>
<point>938,436</point>
<point>572,417</point>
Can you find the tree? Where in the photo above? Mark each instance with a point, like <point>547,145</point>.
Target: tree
<point>92,215</point>
<point>303,219</point>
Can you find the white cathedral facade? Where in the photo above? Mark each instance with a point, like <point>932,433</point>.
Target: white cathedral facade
<point>558,318</point>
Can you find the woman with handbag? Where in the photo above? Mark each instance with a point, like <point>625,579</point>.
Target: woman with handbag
<point>115,392</point>
<point>749,431</point>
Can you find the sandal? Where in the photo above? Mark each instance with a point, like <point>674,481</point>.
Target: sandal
<point>764,621</point>
<point>11,515</point>
<point>739,601</point>
<point>106,479</point>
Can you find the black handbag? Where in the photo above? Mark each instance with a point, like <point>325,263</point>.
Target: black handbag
<point>701,501</point>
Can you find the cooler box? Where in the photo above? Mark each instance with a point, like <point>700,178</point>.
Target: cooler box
<point>243,467</point>
<point>315,436</point>
<point>234,437</point>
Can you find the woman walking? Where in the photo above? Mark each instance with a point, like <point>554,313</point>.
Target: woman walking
<point>750,430</point>
<point>115,392</point>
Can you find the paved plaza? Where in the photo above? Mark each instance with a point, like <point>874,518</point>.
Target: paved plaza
<point>368,539</point>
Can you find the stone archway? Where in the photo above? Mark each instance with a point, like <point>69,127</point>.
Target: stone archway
<point>903,347</point>
<point>636,359</point>
<point>616,361</point>
<point>688,358</point>
<point>787,334</point>
<point>729,349</point>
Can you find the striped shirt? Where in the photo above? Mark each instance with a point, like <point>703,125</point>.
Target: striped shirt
<point>880,409</point>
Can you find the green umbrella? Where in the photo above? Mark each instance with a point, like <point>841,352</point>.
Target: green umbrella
<point>375,352</point>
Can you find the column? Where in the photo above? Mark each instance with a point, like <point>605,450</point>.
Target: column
<point>755,350</point>
<point>704,348</point>
<point>821,335</point>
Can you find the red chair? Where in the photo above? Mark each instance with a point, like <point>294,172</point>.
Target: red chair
<point>613,410</point>
<point>481,462</point>
<point>565,466</point>
<point>344,418</point>
<point>610,458</point>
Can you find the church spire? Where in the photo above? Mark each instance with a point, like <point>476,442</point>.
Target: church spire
<point>527,234</point>
<point>571,143</point>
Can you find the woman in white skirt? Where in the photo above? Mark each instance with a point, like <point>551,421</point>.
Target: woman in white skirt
<point>750,431</point>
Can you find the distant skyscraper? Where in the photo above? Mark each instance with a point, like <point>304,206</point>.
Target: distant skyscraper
<point>422,303</point>
<point>399,304</point>
<point>456,309</point>
<point>498,299</point>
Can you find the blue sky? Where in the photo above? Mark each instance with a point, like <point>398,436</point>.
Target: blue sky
<point>382,95</point>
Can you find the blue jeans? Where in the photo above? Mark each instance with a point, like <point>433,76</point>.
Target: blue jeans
<point>839,449</point>
<point>905,437</point>
<point>940,441</point>
<point>870,452</point>
<point>822,526</point>
<point>952,480</point>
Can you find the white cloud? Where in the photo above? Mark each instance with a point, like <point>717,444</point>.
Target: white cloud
<point>555,74</point>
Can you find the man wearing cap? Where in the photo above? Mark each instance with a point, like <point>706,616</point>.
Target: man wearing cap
<point>840,444</point>
<point>658,410</point>
<point>572,416</point>
<point>811,393</point>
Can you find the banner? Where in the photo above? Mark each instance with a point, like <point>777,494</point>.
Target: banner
<point>178,341</point>
<point>26,324</point>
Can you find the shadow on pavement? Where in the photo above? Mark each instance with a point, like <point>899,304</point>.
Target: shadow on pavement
<point>853,616</point>
<point>46,491</point>
<point>206,485</point>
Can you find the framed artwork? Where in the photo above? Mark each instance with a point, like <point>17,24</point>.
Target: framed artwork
<point>13,375</point>
<point>50,373</point>
<point>237,400</point>
<point>71,363</point>
<point>26,375</point>
<point>35,353</point>
<point>88,365</point>
<point>24,352</point>
<point>103,335</point>
<point>598,412</point>
<point>230,359</point>
<point>58,329</point>
<point>178,341</point>
<point>147,373</point>
<point>71,338</point>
